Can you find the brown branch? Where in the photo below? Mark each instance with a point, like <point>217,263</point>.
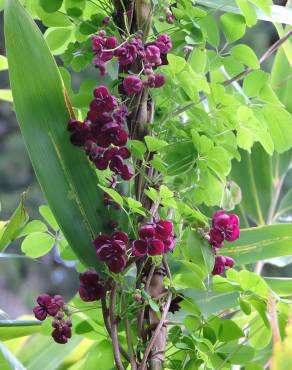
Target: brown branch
<point>156,332</point>
<point>105,314</point>
<point>114,328</point>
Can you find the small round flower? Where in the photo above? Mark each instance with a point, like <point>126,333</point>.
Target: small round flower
<point>159,80</point>
<point>106,21</point>
<point>91,289</point>
<point>62,333</point>
<point>152,55</point>
<point>104,101</point>
<point>163,42</point>
<point>132,84</point>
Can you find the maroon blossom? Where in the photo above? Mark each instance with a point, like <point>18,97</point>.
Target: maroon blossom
<point>91,288</point>
<point>62,331</point>
<point>221,262</point>
<point>132,84</point>
<point>224,227</point>
<point>106,21</point>
<point>159,80</point>
<point>163,42</point>
<point>126,54</point>
<point>47,305</point>
<point>104,101</point>
<point>112,250</point>
<point>79,132</point>
<point>155,239</point>
<point>152,55</point>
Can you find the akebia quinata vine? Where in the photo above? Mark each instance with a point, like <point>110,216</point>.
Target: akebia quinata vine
<point>169,163</point>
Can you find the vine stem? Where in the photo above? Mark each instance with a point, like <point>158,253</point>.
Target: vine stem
<point>114,328</point>
<point>156,333</point>
<point>108,327</point>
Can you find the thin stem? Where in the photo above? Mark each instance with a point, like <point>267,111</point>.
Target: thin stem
<point>156,332</point>
<point>108,327</point>
<point>130,344</point>
<point>114,328</point>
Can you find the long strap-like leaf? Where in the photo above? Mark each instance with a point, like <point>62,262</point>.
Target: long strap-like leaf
<point>66,177</point>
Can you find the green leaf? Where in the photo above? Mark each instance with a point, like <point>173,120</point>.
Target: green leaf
<point>254,82</point>
<point>51,6</point>
<point>14,226</point>
<point>281,286</point>
<point>244,54</point>
<point>37,244</point>
<point>184,280</point>
<point>58,38</point>
<point>138,148</point>
<point>200,252</point>
<point>233,26</point>
<point>10,329</point>
<point>100,353</point>
<point>32,227</point>
<point>47,214</point>
<point>113,194</point>
<point>248,11</point>
<point>260,243</point>
<point>43,114</point>
<point>154,144</point>
<point>3,63</point>
<point>229,331</point>
<point>279,122</point>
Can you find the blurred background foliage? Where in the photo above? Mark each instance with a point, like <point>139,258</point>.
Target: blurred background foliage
<point>22,279</point>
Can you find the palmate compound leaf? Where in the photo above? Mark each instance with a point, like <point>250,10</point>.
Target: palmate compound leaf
<point>66,177</point>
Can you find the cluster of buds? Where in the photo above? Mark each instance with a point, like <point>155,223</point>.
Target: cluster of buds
<point>155,239</point>
<point>103,135</point>
<point>224,227</point>
<point>55,307</point>
<point>150,56</point>
<point>169,16</point>
<point>112,250</point>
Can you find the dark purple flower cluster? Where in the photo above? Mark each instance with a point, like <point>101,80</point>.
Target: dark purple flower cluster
<point>55,307</point>
<point>112,250</point>
<point>103,135</point>
<point>91,287</point>
<point>151,55</point>
<point>155,239</point>
<point>224,227</point>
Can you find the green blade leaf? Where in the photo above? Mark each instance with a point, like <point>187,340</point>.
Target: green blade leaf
<point>15,224</point>
<point>260,243</point>
<point>10,329</point>
<point>66,177</point>
<point>8,361</point>
<point>278,14</point>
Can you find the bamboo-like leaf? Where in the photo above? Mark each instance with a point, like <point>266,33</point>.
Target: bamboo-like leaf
<point>66,177</point>
<point>8,361</point>
<point>260,243</point>
<point>10,329</point>
<point>279,14</point>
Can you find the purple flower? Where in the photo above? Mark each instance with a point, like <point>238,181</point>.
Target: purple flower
<point>163,42</point>
<point>47,305</point>
<point>152,55</point>
<point>112,250</point>
<point>155,239</point>
<point>106,21</point>
<point>104,101</point>
<point>126,54</point>
<point>216,238</point>
<point>221,262</point>
<point>159,80</point>
<point>132,84</point>
<point>80,132</point>
<point>90,289</point>
<point>62,331</point>
<point>227,224</point>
